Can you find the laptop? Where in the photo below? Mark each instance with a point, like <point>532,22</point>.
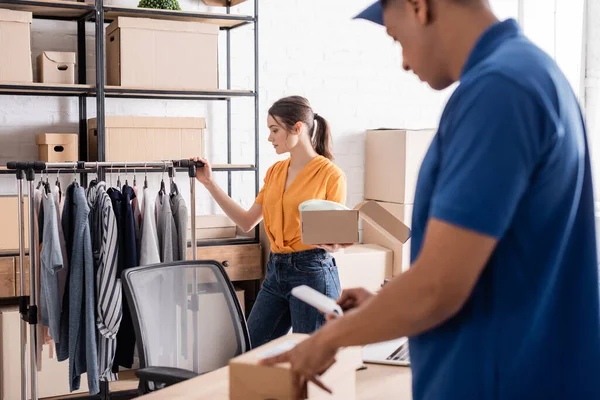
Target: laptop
<point>393,352</point>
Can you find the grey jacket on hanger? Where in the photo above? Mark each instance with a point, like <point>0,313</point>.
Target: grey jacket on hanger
<point>166,228</point>
<point>79,316</point>
<point>180,216</point>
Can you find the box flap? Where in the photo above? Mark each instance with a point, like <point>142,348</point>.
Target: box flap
<point>55,138</point>
<point>383,220</point>
<point>162,25</point>
<point>60,57</point>
<point>150,122</point>
<point>15,16</point>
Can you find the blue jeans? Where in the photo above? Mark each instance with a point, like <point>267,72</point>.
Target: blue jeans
<point>276,310</point>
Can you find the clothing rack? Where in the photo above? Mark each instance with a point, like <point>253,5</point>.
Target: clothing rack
<point>28,307</point>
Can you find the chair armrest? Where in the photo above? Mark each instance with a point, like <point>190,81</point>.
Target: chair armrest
<point>167,375</point>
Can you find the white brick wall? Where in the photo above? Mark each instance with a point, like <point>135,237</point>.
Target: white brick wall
<point>349,70</point>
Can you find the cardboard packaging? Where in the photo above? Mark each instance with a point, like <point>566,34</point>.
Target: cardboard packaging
<point>372,235</point>
<point>364,265</point>
<point>160,54</point>
<point>56,67</point>
<point>250,381</point>
<point>213,227</point>
<point>15,46</point>
<point>342,226</point>
<point>57,147</point>
<point>53,379</point>
<point>7,277</point>
<point>240,293</point>
<point>394,156</point>
<point>148,138</point>
<point>9,234</point>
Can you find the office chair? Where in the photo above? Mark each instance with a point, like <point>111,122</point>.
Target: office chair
<point>187,321</point>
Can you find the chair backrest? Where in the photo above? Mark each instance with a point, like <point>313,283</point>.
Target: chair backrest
<point>185,314</point>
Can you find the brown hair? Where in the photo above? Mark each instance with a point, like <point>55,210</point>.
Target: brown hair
<point>294,109</point>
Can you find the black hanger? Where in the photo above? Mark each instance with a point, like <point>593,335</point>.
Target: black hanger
<point>145,178</point>
<point>57,184</point>
<point>162,187</point>
<point>174,189</point>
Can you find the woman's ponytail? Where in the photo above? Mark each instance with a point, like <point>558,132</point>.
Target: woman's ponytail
<point>321,139</point>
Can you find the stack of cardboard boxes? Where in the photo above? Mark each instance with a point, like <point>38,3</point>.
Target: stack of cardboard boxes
<point>393,158</point>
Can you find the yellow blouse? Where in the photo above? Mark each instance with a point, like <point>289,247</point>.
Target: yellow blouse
<point>319,179</point>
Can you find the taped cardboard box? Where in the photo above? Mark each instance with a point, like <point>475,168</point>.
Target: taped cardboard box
<point>131,138</point>
<point>364,265</point>
<point>393,159</point>
<point>213,227</point>
<point>342,226</point>
<point>56,67</point>
<point>371,235</point>
<point>250,381</point>
<point>9,234</point>
<point>15,46</point>
<point>161,54</point>
<point>57,147</point>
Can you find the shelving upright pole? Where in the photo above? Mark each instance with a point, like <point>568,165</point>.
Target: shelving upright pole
<point>22,298</point>
<point>33,301</point>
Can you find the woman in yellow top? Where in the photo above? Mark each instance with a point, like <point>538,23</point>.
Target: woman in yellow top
<point>307,174</point>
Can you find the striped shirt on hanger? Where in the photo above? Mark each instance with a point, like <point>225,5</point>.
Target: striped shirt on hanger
<point>109,310</point>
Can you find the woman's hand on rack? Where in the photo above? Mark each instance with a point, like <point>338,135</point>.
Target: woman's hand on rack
<point>332,248</point>
<point>203,174</point>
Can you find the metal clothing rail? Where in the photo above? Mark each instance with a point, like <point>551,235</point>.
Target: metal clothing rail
<point>28,307</point>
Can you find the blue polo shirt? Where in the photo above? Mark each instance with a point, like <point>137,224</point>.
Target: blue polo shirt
<point>510,160</point>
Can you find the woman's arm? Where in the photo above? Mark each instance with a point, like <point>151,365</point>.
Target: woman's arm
<point>245,219</point>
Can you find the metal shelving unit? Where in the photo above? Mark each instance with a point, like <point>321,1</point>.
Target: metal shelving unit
<point>82,12</point>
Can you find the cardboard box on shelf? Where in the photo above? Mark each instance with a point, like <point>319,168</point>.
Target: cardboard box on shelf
<point>9,234</point>
<point>364,265</point>
<point>56,67</point>
<point>215,226</point>
<point>148,138</point>
<point>250,381</point>
<point>371,235</point>
<point>53,379</point>
<point>57,147</point>
<point>394,156</point>
<point>15,46</point>
<point>342,226</point>
<point>161,54</point>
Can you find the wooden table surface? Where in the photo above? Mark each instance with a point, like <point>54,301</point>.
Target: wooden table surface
<point>377,382</point>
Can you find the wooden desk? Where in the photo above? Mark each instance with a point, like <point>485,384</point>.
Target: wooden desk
<point>377,382</point>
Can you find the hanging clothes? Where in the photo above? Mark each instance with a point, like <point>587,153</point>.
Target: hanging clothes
<point>41,331</point>
<point>81,346</point>
<point>149,253</point>
<point>63,273</point>
<point>137,207</point>
<point>180,217</point>
<point>105,246</point>
<point>166,228</point>
<point>127,258</point>
<point>51,261</point>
